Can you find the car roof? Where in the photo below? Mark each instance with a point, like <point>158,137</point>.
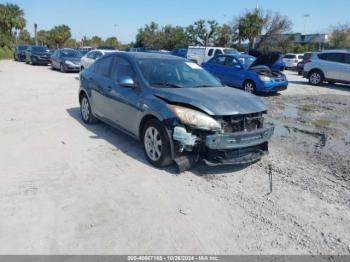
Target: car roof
<point>138,55</point>
<point>336,51</point>
<point>239,55</point>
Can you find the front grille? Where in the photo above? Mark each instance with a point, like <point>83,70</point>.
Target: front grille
<point>241,123</point>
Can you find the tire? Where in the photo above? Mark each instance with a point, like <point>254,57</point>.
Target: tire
<point>62,69</point>
<point>156,144</point>
<point>316,77</point>
<point>86,112</point>
<point>299,73</point>
<point>249,86</point>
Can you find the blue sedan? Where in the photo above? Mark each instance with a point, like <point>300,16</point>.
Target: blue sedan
<point>246,72</point>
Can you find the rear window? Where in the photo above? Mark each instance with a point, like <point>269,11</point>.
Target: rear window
<point>290,56</point>
<point>301,57</point>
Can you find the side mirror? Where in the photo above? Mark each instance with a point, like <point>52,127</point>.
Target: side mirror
<point>127,82</point>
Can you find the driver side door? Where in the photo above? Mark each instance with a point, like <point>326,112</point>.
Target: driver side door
<point>234,72</point>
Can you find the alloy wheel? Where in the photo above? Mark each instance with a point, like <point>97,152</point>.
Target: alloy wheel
<point>249,87</point>
<point>153,143</point>
<point>85,110</point>
<point>315,78</point>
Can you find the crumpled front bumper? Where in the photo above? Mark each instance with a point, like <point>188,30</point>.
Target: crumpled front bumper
<point>239,139</point>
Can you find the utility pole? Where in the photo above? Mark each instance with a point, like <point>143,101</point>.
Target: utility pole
<point>35,34</point>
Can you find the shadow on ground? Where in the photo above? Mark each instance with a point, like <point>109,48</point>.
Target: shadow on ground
<point>133,148</point>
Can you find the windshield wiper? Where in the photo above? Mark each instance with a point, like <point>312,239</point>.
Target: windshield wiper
<point>167,84</point>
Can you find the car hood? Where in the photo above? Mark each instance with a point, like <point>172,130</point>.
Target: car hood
<point>267,60</point>
<point>218,101</point>
<point>72,59</point>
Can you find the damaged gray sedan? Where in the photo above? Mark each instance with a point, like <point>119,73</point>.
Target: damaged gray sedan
<point>178,110</point>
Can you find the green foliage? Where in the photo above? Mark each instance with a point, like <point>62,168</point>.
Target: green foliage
<point>11,18</point>
<point>203,32</point>
<point>96,41</point>
<point>112,41</point>
<point>5,53</point>
<point>340,36</point>
<point>24,37</point>
<point>42,37</point>
<point>59,34</point>
<point>70,43</point>
<point>5,39</point>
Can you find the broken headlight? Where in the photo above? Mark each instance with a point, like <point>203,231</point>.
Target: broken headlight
<point>195,118</point>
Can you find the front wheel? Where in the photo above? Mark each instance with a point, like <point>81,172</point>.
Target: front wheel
<point>249,86</point>
<point>62,69</point>
<point>86,112</point>
<point>156,144</point>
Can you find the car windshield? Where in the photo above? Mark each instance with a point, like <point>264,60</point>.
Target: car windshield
<point>22,47</point>
<point>230,51</point>
<point>70,53</point>
<point>39,49</point>
<point>170,73</point>
<point>246,61</point>
<point>290,56</point>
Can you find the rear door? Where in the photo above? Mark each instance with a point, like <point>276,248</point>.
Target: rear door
<point>100,85</point>
<point>346,71</point>
<point>332,65</point>
<point>122,102</point>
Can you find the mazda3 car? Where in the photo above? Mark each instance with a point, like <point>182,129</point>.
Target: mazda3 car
<point>66,60</point>
<point>178,110</point>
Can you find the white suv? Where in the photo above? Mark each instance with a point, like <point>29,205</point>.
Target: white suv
<point>331,66</point>
<point>292,60</point>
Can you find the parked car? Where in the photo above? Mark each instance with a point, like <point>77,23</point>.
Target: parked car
<point>93,55</point>
<point>106,47</point>
<point>181,52</point>
<point>66,60</point>
<point>332,66</point>
<point>300,66</point>
<point>178,110</point>
<point>246,72</point>
<point>37,54</point>
<point>199,54</point>
<point>292,60</point>
<point>20,53</point>
<point>84,50</point>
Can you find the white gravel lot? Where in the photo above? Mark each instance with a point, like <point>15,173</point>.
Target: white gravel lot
<point>67,188</point>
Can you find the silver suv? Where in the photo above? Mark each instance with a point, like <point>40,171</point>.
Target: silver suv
<point>331,66</point>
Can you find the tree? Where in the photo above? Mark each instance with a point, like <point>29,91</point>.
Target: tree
<point>340,36</point>
<point>203,32</point>
<point>96,41</point>
<point>59,34</point>
<point>24,37</point>
<point>147,36</point>
<point>112,41</point>
<point>248,26</point>
<point>70,43</point>
<point>42,37</point>
<point>11,18</point>
<point>224,37</point>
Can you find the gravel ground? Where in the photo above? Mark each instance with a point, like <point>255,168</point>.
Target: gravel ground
<point>67,188</point>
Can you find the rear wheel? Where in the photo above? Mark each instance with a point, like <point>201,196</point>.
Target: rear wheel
<point>249,86</point>
<point>316,77</point>
<point>156,144</point>
<point>85,111</point>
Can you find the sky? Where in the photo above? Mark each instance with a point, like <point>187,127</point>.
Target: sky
<point>122,18</point>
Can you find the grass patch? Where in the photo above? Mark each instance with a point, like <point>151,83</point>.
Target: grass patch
<point>321,122</point>
<point>5,53</point>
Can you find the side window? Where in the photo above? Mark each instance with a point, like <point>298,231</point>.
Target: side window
<point>98,55</point>
<point>91,55</point>
<point>122,68</point>
<point>347,59</point>
<point>232,62</point>
<point>210,53</point>
<point>322,56</point>
<point>219,60</point>
<point>335,57</point>
<point>103,66</point>
<point>217,52</point>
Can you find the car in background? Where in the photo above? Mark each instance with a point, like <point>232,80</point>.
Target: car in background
<point>84,49</point>
<point>181,52</point>
<point>300,66</point>
<point>178,110</point>
<point>106,47</point>
<point>200,54</point>
<point>66,60</point>
<point>20,53</point>
<point>292,60</point>
<point>332,66</point>
<point>247,73</point>
<point>37,55</point>
<point>93,55</point>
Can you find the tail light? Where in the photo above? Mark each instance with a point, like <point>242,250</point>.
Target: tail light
<point>307,61</point>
